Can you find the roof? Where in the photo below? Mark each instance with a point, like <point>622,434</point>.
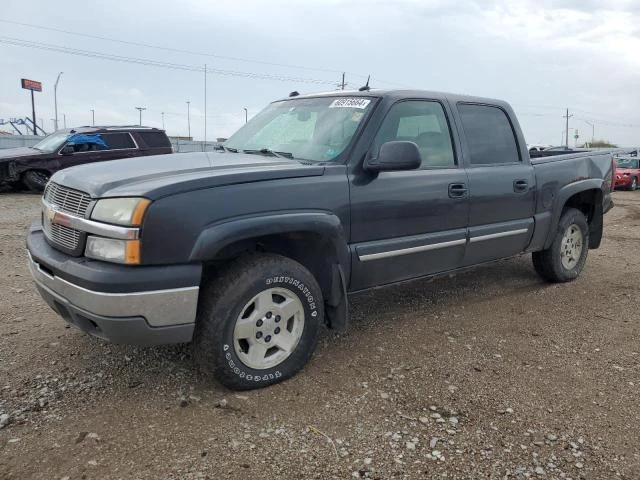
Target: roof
<point>108,128</point>
<point>400,94</point>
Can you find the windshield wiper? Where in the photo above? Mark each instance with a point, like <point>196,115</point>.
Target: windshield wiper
<point>268,151</point>
<point>226,149</point>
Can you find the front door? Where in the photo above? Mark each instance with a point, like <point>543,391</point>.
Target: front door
<point>501,185</point>
<point>409,224</point>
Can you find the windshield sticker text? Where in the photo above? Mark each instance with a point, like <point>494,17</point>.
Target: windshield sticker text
<point>350,103</point>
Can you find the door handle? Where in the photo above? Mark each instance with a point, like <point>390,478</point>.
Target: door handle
<point>520,185</point>
<point>458,190</point>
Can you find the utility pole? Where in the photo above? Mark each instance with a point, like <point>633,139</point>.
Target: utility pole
<point>188,120</point>
<point>162,113</point>
<point>566,135</point>
<point>140,109</point>
<point>246,118</point>
<point>93,117</point>
<point>64,120</point>
<point>205,106</point>
<point>343,81</point>
<point>55,99</point>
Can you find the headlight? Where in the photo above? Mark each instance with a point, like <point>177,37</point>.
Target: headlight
<point>120,211</point>
<point>113,250</point>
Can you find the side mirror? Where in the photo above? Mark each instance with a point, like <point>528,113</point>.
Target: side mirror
<point>395,156</point>
<point>67,150</point>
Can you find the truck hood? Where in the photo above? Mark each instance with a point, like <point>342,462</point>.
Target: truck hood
<point>11,153</point>
<point>157,176</point>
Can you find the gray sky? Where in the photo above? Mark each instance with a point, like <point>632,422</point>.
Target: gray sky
<point>541,56</point>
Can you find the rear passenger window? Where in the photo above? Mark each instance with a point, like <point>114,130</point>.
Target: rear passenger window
<point>489,135</point>
<point>118,141</point>
<point>424,123</point>
<point>155,139</point>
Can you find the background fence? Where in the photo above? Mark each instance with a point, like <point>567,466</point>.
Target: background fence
<point>179,146</point>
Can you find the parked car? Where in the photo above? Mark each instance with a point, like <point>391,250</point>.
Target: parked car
<point>627,172</point>
<point>551,151</point>
<point>31,167</point>
<point>247,252</point>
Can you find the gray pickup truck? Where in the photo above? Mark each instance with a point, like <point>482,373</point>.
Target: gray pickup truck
<point>248,251</point>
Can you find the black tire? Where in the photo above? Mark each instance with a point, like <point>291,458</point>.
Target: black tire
<point>549,263</point>
<point>35,180</point>
<point>224,298</point>
<point>634,184</point>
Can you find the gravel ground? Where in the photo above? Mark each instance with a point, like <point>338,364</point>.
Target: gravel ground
<point>488,374</point>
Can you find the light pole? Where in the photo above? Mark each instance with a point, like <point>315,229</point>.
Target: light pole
<point>245,115</point>
<point>55,99</point>
<point>140,109</point>
<point>162,113</point>
<point>93,117</point>
<point>188,120</point>
<point>64,120</point>
<point>593,130</point>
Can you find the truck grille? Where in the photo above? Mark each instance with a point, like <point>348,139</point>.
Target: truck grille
<point>67,200</point>
<point>70,201</point>
<point>60,235</point>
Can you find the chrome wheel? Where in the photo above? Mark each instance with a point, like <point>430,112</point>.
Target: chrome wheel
<point>571,246</point>
<point>268,328</point>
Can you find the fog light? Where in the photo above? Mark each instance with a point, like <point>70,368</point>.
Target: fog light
<point>113,250</point>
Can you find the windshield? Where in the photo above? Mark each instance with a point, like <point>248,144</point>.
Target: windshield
<point>626,163</point>
<point>51,143</point>
<point>312,129</point>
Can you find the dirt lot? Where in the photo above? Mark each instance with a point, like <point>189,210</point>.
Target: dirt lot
<point>489,374</point>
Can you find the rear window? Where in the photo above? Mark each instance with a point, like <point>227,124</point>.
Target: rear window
<point>118,141</point>
<point>489,135</point>
<point>155,139</point>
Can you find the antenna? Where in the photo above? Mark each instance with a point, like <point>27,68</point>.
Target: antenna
<point>294,93</point>
<point>366,87</point>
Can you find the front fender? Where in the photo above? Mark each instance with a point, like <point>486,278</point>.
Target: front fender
<point>221,234</point>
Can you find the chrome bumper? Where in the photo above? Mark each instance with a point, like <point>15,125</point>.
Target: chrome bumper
<point>159,308</point>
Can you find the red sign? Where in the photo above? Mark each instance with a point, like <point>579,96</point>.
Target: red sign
<point>31,85</point>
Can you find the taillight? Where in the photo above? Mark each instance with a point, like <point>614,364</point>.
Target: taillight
<point>613,173</point>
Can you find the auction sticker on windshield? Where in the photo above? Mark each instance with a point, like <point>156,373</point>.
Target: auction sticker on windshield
<point>350,103</point>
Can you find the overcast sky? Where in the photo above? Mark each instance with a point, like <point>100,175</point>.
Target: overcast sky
<point>541,56</point>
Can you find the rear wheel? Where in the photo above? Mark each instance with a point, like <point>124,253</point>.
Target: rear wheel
<point>258,321</point>
<point>565,258</point>
<point>35,180</point>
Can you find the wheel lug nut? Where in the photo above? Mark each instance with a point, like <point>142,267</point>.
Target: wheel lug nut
<point>267,338</point>
<point>259,323</point>
<point>277,318</point>
<point>277,330</point>
<point>269,314</point>
<point>258,334</point>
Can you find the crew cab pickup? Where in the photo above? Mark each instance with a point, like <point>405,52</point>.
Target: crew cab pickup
<point>31,167</point>
<point>248,251</point>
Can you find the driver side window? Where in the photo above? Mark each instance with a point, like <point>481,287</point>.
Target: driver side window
<point>424,123</point>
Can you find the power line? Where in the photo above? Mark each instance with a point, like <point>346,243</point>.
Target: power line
<point>192,52</point>
<point>168,49</point>
<point>156,63</point>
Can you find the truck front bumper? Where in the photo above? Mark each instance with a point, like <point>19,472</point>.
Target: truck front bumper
<point>130,305</point>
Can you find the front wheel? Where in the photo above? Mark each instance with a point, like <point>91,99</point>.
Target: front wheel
<point>258,321</point>
<point>565,258</point>
<point>35,180</point>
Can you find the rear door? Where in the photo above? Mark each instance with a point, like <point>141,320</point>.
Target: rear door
<point>408,224</point>
<point>501,184</point>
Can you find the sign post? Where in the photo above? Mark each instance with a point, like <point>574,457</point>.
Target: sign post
<point>33,86</point>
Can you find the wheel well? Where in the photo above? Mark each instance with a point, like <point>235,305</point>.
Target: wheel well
<point>589,202</point>
<point>316,253</point>
<point>586,201</point>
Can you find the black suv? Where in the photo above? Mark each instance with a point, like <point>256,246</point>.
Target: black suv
<point>31,167</point>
